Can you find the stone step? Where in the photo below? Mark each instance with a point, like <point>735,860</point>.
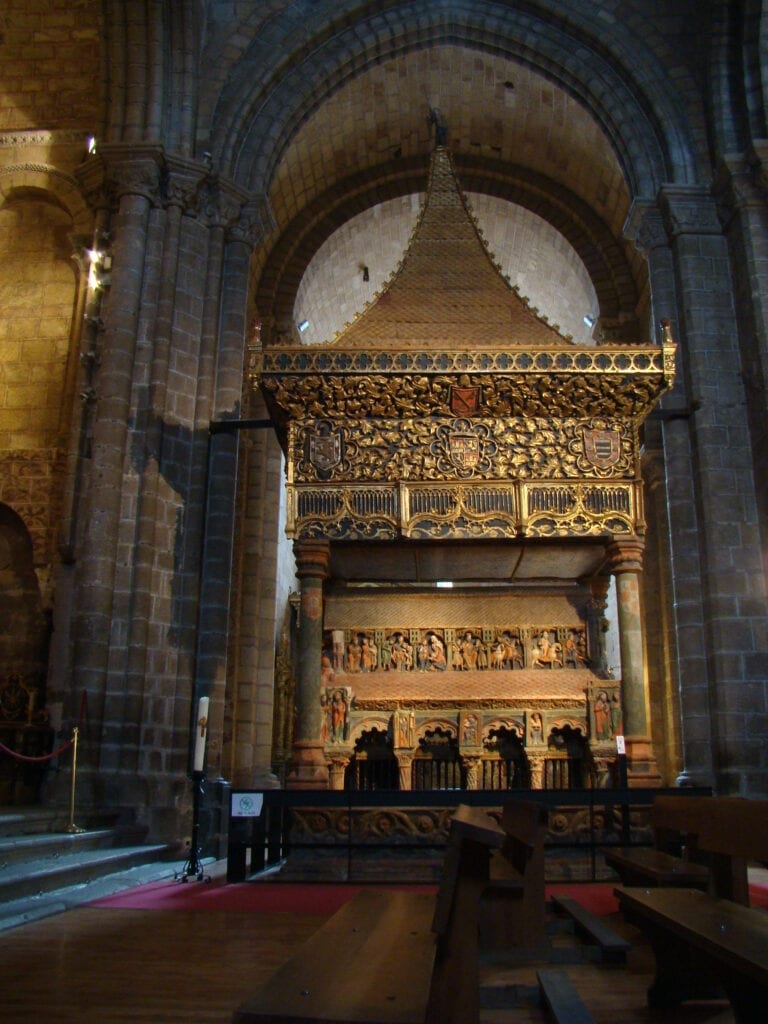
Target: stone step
<point>21,821</point>
<point>31,877</point>
<point>45,868</point>
<point>15,912</point>
<point>25,847</point>
<point>33,820</point>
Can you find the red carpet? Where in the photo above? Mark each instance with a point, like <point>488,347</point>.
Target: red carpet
<point>320,898</point>
<point>251,897</point>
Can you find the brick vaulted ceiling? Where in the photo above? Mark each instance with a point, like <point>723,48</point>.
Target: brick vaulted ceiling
<point>345,109</point>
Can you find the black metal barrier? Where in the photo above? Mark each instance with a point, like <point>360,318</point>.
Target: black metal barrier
<point>262,834</point>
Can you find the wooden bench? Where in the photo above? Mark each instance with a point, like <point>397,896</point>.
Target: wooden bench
<point>609,947</point>
<point>676,822</point>
<point>559,996</point>
<point>703,940</point>
<point>393,957</point>
<point>704,948</point>
<point>512,902</point>
<point>371,962</point>
<point>722,833</point>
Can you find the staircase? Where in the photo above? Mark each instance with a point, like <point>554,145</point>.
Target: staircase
<point>44,869</point>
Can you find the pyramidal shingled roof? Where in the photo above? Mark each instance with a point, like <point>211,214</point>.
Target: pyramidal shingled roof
<point>447,290</point>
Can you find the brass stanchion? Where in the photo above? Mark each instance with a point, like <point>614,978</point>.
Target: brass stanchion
<point>72,827</point>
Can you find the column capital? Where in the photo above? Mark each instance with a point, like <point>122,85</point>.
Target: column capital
<point>645,226</point>
<point>689,210</point>
<point>625,555</point>
<point>313,558</point>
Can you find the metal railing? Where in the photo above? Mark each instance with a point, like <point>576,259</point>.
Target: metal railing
<point>581,822</point>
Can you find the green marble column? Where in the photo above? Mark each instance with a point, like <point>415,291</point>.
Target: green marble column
<point>626,563</point>
<point>309,766</point>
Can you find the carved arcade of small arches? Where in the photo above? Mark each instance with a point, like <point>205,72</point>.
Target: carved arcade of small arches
<point>381,732</point>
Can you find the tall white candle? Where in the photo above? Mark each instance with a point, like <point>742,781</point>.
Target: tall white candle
<point>201,731</point>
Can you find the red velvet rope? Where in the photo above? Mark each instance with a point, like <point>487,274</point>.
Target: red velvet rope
<point>59,750</point>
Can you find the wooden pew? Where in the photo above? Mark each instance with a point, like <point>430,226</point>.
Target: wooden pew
<point>701,943</point>
<point>512,904</point>
<point>370,962</point>
<point>705,940</point>
<point>560,997</point>
<point>393,957</point>
<point>676,822</point>
<point>722,833</point>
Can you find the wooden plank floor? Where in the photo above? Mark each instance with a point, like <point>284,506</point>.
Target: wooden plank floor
<point>141,966</point>
<point>109,966</point>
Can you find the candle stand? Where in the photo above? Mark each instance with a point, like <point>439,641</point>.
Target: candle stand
<point>194,866</point>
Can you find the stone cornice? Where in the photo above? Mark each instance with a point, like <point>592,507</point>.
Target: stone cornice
<point>42,137</point>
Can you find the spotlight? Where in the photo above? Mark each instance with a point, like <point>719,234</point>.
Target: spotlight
<point>303,325</point>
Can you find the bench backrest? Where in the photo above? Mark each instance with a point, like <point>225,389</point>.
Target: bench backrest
<point>474,835</point>
<point>732,825</point>
<point>725,832</point>
<point>737,827</point>
<point>524,824</point>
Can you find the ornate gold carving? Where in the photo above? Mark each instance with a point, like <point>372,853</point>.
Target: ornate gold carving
<point>459,511</point>
<point>370,513</point>
<point>580,509</point>
<point>375,449</point>
<point>629,396</point>
<point>439,510</point>
<point>523,447</point>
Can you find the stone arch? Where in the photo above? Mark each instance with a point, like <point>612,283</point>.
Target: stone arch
<point>373,764</point>
<point>24,627</point>
<point>604,259</point>
<point>50,185</point>
<point>561,722</point>
<point>378,722</point>
<point>510,725</point>
<point>254,121</point>
<point>738,98</point>
<point>444,725</point>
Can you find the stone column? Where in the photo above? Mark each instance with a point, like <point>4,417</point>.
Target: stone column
<point>232,234</point>
<point>309,767</point>
<point>687,654</point>
<point>625,560</point>
<point>595,625</point>
<point>733,583</point>
<point>337,770</point>
<point>536,765</point>
<point>132,174</point>
<point>405,770</point>
<point>471,766</point>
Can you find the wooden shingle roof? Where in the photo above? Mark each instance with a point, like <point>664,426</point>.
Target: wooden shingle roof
<point>447,291</point>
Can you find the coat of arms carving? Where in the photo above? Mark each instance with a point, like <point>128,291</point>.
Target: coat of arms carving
<point>325,450</point>
<point>465,399</point>
<point>602,448</point>
<point>464,450</point>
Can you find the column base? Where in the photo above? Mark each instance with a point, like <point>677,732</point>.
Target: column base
<point>309,766</point>
<point>642,770</point>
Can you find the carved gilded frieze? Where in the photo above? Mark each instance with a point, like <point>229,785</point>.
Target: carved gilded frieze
<point>374,395</point>
<point>522,448</point>
<point>440,510</point>
<point>489,443</point>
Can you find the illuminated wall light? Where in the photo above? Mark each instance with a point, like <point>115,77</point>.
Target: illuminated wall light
<point>303,325</point>
<point>91,144</point>
<point>444,584</point>
<point>589,321</point>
